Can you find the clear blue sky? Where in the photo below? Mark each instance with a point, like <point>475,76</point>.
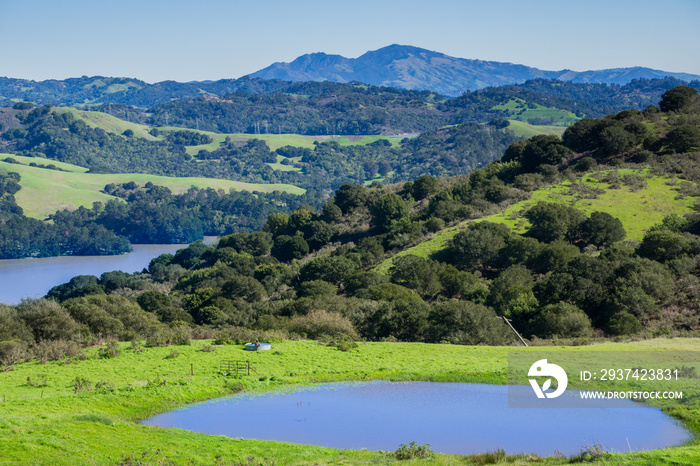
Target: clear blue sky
<point>155,40</point>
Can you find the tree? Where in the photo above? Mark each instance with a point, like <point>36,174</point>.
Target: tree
<point>466,323</point>
<point>551,221</point>
<point>562,319</point>
<point>80,285</point>
<point>418,274</point>
<point>664,245</point>
<point>479,244</point>
<point>683,138</point>
<point>509,285</point>
<point>538,150</point>
<point>349,197</point>
<point>602,229</point>
<point>331,213</point>
<point>314,288</point>
<point>276,223</point>
<point>387,209</point>
<point>333,269</point>
<point>49,320</point>
<point>614,140</point>
<point>676,98</point>
<point>319,233</point>
<point>424,187</point>
<point>287,248</point>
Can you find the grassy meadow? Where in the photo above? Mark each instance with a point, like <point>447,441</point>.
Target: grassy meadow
<point>637,207</point>
<point>86,410</point>
<point>522,111</point>
<point>526,130</point>
<point>107,122</point>
<point>44,191</point>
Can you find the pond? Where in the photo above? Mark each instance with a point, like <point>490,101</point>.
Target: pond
<point>456,418</point>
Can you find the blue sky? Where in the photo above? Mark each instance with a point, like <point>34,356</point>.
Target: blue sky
<point>156,40</point>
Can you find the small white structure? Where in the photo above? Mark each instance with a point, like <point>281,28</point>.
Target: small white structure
<point>257,346</point>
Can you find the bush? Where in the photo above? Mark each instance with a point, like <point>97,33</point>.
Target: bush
<point>110,350</point>
<point>81,384</point>
<point>48,320</point>
<point>320,322</point>
<point>563,320</point>
<point>56,350</point>
<point>623,323</point>
<point>414,451</point>
<point>314,288</point>
<point>13,352</point>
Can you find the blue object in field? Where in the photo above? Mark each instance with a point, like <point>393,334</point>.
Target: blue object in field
<point>258,347</point>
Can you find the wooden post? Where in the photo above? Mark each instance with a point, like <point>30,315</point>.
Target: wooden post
<point>513,329</point>
<point>191,369</point>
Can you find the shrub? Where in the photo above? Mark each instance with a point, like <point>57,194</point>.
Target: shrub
<point>48,320</point>
<point>81,384</point>
<point>12,352</point>
<point>414,451</point>
<point>320,322</point>
<point>173,354</point>
<point>562,319</point>
<point>56,350</point>
<point>110,350</point>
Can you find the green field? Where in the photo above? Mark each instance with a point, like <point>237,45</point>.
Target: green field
<point>275,141</point>
<point>526,130</point>
<point>637,210</point>
<point>44,419</point>
<point>45,191</point>
<point>521,111</point>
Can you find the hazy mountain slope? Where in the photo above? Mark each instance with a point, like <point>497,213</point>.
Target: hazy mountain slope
<point>415,68</point>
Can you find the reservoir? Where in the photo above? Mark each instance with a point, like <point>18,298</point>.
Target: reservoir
<point>34,277</point>
<point>458,418</point>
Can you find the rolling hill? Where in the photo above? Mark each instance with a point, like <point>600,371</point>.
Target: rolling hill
<point>45,191</point>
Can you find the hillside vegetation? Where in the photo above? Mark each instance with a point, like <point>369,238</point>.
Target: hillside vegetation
<point>564,236</point>
<point>581,239</point>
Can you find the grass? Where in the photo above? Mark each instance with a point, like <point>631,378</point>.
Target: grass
<point>526,130</point>
<point>45,191</point>
<point>49,421</point>
<point>637,210</point>
<point>275,141</point>
<point>108,122</point>
<point>285,168</point>
<point>520,111</point>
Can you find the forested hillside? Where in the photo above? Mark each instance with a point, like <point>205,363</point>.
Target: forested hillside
<point>562,269</point>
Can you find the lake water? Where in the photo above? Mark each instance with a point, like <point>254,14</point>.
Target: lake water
<point>34,277</point>
<point>453,417</point>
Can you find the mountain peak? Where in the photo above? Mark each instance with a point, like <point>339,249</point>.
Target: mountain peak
<point>410,67</point>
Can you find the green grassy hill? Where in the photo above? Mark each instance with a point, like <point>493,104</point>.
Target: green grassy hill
<point>108,122</point>
<point>523,111</point>
<point>526,130</point>
<point>637,208</point>
<point>44,191</point>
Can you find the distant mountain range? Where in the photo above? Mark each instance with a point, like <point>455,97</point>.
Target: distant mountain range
<point>409,67</point>
<point>398,66</point>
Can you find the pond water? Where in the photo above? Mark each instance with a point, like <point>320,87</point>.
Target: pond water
<point>453,417</point>
<point>34,277</point>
